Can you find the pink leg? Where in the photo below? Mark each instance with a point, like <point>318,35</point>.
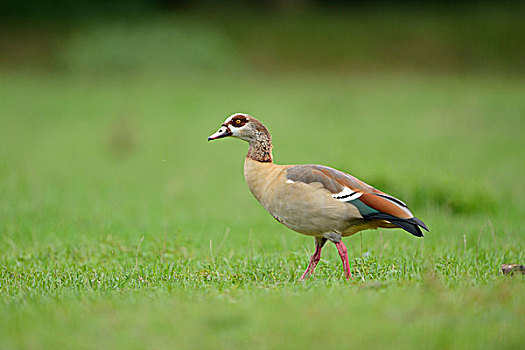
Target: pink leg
<point>343,253</point>
<point>314,259</point>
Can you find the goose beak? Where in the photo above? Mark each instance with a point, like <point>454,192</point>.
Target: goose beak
<point>222,132</point>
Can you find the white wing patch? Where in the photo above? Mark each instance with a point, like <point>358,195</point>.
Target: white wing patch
<point>290,181</point>
<point>347,195</point>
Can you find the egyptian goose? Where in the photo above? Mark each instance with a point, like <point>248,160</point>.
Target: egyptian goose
<point>314,200</point>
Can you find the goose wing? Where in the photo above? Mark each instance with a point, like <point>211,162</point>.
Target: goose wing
<point>372,203</point>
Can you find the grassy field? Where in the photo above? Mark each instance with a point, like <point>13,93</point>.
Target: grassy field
<point>121,227</point>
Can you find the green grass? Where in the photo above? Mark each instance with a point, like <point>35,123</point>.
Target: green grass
<point>121,227</point>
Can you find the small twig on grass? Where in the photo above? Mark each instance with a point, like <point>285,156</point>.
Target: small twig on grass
<point>510,269</point>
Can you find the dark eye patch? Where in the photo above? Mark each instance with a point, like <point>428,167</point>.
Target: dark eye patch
<point>238,121</point>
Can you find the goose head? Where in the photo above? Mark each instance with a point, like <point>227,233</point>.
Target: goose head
<point>242,126</point>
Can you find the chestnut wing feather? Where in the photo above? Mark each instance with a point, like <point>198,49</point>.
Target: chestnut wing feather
<point>371,203</point>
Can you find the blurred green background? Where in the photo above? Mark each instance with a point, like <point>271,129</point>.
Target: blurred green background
<point>122,227</point>
<point>176,37</point>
